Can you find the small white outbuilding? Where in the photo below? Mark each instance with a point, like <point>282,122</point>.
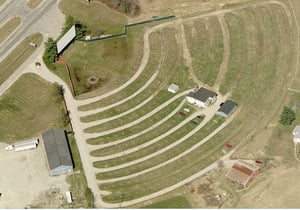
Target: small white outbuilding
<point>296,134</point>
<point>173,88</point>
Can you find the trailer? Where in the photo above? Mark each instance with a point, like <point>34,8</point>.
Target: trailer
<point>69,197</point>
<point>25,145</point>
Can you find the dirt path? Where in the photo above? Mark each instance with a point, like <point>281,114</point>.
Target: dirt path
<point>187,55</point>
<point>226,52</point>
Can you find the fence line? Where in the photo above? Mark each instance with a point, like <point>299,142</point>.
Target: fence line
<point>129,25</point>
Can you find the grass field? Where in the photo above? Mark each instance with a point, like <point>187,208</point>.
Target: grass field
<point>175,202</point>
<point>25,110</point>
<point>33,3</point>
<point>9,27</point>
<point>205,41</point>
<point>18,56</point>
<point>260,37</point>
<point>95,16</point>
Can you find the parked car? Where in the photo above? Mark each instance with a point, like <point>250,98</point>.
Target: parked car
<point>201,116</point>
<point>182,113</point>
<point>194,122</point>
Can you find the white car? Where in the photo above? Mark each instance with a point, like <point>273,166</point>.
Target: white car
<point>10,147</point>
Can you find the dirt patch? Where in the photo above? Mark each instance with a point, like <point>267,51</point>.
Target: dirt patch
<point>206,194</point>
<point>26,182</point>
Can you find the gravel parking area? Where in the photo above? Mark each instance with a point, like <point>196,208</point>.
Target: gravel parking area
<point>25,180</point>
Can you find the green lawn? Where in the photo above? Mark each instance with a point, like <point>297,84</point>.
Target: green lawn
<point>18,56</point>
<point>126,133</point>
<point>257,76</point>
<point>174,202</point>
<point>205,42</point>
<point>95,16</point>
<point>9,27</point>
<point>27,109</point>
<point>173,152</point>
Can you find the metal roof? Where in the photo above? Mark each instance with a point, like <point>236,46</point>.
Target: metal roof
<point>296,131</point>
<point>227,107</point>
<point>66,39</point>
<point>57,149</point>
<point>202,94</point>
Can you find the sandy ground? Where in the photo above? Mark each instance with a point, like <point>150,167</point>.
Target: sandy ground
<point>25,178</point>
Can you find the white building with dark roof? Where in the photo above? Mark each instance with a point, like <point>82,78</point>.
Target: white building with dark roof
<point>202,98</point>
<point>296,134</point>
<point>57,151</point>
<point>227,108</point>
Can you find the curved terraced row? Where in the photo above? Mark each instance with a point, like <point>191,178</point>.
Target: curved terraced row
<point>143,147</point>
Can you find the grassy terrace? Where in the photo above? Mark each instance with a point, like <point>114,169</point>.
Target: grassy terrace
<point>134,142</point>
<point>126,133</point>
<point>18,56</point>
<point>175,202</point>
<point>167,74</point>
<point>173,152</point>
<point>9,27</point>
<point>169,174</point>
<point>171,70</point>
<point>20,109</point>
<point>162,143</point>
<point>95,16</point>
<point>264,29</point>
<point>155,43</point>
<point>137,114</point>
<point>205,41</point>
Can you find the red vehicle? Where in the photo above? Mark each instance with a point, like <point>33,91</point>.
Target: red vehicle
<point>182,113</point>
<point>259,161</point>
<point>228,145</point>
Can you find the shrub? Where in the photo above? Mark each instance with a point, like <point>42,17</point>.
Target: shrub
<point>287,116</point>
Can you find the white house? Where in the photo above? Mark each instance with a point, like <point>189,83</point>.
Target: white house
<point>173,88</point>
<point>296,133</point>
<point>202,98</point>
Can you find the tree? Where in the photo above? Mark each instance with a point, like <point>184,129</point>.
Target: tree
<point>58,92</point>
<point>287,116</point>
<point>50,51</point>
<point>79,27</point>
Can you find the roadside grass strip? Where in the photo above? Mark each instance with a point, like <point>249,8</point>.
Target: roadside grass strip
<point>7,28</point>
<point>163,155</point>
<point>163,126</point>
<point>18,56</point>
<point>96,130</point>
<point>156,54</point>
<point>21,107</point>
<point>145,145</point>
<point>137,130</point>
<point>162,177</point>
<point>205,42</point>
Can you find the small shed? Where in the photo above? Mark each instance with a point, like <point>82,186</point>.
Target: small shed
<point>202,98</point>
<point>242,173</point>
<point>57,151</point>
<point>296,134</point>
<point>173,88</point>
<point>227,108</point>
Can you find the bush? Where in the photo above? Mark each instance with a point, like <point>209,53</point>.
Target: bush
<point>50,51</point>
<point>287,116</point>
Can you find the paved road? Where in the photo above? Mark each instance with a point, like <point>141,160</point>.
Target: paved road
<point>21,32</point>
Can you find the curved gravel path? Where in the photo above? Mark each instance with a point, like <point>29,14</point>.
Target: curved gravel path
<point>100,146</point>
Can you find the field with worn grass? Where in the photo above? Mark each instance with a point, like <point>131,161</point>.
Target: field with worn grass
<point>18,56</point>
<point>7,28</point>
<point>25,110</point>
<point>134,163</point>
